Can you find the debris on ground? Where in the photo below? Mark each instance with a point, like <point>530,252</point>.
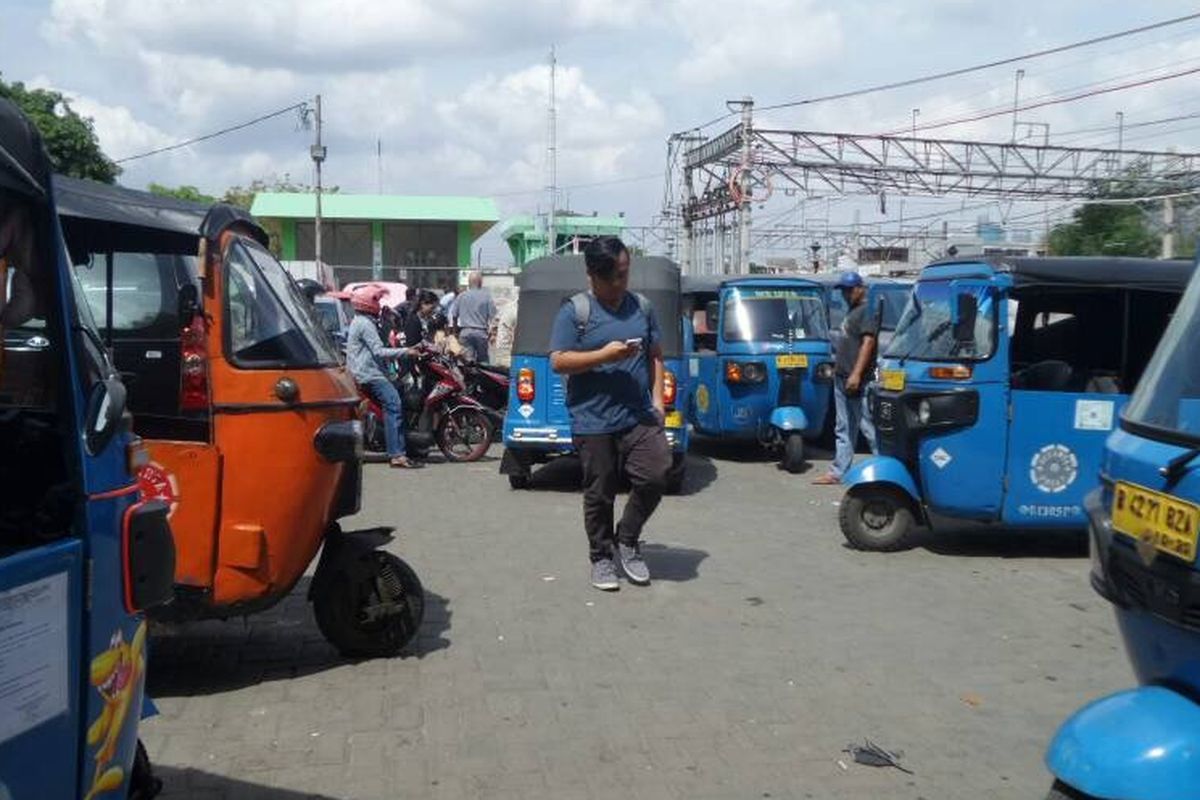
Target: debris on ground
<point>972,699</point>
<point>873,755</point>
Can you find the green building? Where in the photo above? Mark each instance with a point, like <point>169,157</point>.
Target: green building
<point>526,236</point>
<point>421,241</point>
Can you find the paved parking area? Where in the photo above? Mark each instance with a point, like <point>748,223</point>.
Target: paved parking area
<point>762,649</point>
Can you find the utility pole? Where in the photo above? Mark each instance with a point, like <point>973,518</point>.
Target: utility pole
<point>552,159</point>
<point>318,156</point>
<point>915,113</point>
<point>744,206</point>
<point>1016,100</point>
<point>1120,131</point>
<point>1168,237</point>
<point>379,164</point>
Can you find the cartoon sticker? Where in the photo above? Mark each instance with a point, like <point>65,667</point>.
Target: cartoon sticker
<point>702,398</point>
<point>1093,415</point>
<point>116,674</point>
<point>156,483</point>
<point>1053,468</point>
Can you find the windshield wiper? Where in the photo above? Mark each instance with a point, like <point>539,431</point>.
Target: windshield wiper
<point>1178,465</point>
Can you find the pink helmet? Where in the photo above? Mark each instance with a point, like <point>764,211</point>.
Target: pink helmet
<point>366,299</point>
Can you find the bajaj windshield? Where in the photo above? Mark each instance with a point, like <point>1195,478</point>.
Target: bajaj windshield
<point>1167,397</point>
<point>925,331</point>
<point>773,315</point>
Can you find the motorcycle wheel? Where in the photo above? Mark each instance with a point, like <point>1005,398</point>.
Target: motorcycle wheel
<point>373,433</point>
<point>346,605</point>
<point>464,435</point>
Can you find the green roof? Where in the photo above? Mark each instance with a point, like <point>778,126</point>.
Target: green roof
<point>564,225</point>
<point>298,205</point>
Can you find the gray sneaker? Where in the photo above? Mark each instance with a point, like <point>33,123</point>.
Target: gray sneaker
<point>634,565</point>
<point>604,575</point>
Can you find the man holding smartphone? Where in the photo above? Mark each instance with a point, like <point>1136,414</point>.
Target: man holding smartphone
<point>612,355</point>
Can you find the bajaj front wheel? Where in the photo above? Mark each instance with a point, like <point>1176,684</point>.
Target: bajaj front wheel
<point>877,518</point>
<point>793,453</point>
<point>1061,791</point>
<point>369,605</point>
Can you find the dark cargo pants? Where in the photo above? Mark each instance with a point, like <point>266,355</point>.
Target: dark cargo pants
<point>643,454</point>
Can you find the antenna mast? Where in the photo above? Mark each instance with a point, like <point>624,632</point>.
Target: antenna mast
<point>552,158</point>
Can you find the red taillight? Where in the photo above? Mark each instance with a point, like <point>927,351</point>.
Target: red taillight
<point>525,389</point>
<point>669,388</point>
<point>193,366</point>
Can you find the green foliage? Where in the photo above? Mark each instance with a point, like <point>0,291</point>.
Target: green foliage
<point>70,138</point>
<point>243,196</point>
<point>1105,230</point>
<point>190,193</point>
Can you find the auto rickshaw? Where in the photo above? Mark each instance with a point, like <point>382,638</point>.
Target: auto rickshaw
<point>537,425</point>
<point>996,394</point>
<point>1143,743</point>
<point>759,355</point>
<point>248,413</point>
<point>82,555</point>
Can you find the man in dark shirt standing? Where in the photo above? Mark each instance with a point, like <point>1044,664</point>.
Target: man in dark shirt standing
<point>855,368</point>
<point>613,357</point>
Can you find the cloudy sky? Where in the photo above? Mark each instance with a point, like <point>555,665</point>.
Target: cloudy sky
<point>456,90</point>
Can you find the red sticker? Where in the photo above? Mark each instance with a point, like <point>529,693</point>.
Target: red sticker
<point>156,483</point>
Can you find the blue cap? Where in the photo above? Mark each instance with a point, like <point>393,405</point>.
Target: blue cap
<point>848,280</point>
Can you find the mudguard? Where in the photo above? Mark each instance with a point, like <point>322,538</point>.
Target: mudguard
<point>882,469</point>
<point>789,418</point>
<point>148,708</point>
<point>338,542</point>
<point>1140,744</point>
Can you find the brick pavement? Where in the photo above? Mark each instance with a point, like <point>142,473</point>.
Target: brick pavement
<point>762,649</point>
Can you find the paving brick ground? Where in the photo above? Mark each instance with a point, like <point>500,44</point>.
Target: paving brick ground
<point>762,649</point>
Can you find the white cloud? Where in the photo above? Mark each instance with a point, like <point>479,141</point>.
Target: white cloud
<point>120,133</point>
<point>770,35</point>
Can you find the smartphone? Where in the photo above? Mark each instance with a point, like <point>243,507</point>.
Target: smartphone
<point>634,342</point>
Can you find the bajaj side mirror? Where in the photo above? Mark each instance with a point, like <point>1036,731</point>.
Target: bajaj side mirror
<point>711,315</point>
<point>966,310</point>
<point>105,409</point>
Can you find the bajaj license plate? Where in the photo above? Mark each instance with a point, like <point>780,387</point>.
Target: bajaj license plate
<point>892,380</point>
<point>791,361</point>
<point>674,419</point>
<point>1166,522</point>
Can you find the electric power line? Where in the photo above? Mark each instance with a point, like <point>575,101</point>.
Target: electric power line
<point>214,134</point>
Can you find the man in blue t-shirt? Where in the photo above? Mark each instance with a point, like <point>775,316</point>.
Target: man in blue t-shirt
<point>614,392</point>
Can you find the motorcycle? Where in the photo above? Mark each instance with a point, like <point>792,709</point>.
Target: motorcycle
<point>489,385</point>
<point>437,410</point>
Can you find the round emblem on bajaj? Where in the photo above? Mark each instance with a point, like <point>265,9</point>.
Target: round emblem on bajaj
<point>1053,468</point>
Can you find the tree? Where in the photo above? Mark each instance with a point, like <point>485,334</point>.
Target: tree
<point>243,196</point>
<point>186,192</point>
<point>70,138</point>
<point>1105,230</point>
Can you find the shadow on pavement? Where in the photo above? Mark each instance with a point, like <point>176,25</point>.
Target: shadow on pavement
<point>727,450</point>
<point>701,473</point>
<point>213,656</point>
<point>672,563</point>
<point>1003,543</point>
<point>183,783</point>
<point>560,474</point>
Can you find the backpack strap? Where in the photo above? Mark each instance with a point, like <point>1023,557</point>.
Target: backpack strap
<point>581,302</point>
<point>645,307</point>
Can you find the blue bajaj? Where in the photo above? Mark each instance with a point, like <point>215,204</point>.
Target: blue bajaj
<point>759,361</point>
<point>81,554</point>
<point>537,423</point>
<point>1144,743</point>
<point>999,388</point>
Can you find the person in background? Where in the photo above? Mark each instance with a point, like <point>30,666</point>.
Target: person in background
<point>366,357</point>
<point>854,364</point>
<point>417,327</point>
<point>448,297</point>
<point>506,334</point>
<point>614,358</point>
<point>473,314</point>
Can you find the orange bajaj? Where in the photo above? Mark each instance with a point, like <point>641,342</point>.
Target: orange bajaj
<point>248,412</point>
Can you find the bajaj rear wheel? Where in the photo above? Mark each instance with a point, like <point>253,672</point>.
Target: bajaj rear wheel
<point>464,434</point>
<point>876,518</point>
<point>369,605</point>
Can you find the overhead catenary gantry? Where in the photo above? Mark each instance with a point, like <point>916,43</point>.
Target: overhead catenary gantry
<point>725,175</point>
